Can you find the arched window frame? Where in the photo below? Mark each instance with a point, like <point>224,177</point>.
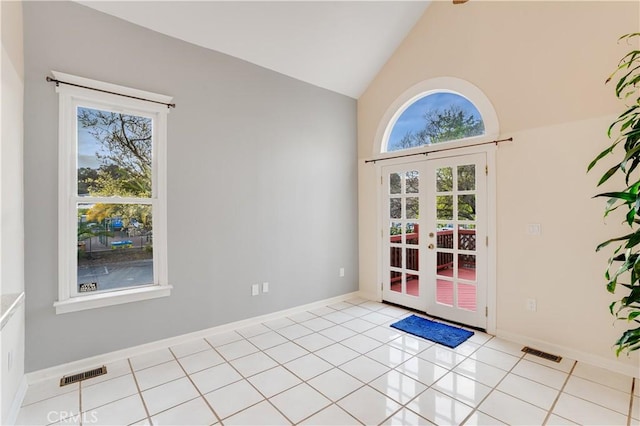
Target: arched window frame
<point>428,87</point>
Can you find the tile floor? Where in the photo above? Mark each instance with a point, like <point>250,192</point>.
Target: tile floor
<point>338,365</point>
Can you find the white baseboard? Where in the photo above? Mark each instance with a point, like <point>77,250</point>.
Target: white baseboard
<point>564,351</point>
<point>370,295</point>
<point>98,360</point>
<point>17,402</point>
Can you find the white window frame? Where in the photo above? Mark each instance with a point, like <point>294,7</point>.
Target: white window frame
<point>423,89</point>
<point>70,97</point>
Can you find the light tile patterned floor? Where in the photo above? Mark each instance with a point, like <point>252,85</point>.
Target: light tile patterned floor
<point>338,365</point>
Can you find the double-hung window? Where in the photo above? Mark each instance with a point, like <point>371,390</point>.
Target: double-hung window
<point>112,195</point>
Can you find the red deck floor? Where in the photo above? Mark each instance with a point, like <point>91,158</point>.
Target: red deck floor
<point>444,288</point>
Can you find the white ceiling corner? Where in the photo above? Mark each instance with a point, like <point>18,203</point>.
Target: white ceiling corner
<point>336,45</point>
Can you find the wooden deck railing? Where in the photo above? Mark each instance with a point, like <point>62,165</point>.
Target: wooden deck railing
<point>444,239</point>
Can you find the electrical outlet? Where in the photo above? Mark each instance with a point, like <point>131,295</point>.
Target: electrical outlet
<point>342,272</point>
<point>255,289</point>
<point>534,229</point>
<point>531,305</point>
<point>265,287</point>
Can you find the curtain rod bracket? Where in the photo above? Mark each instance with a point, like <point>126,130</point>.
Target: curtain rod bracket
<point>49,80</point>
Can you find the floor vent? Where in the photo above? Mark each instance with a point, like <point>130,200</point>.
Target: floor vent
<point>75,378</point>
<point>550,357</point>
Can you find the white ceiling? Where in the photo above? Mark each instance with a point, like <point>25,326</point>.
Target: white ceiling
<point>337,45</point>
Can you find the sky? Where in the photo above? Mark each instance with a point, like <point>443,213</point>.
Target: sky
<point>412,118</point>
<point>87,148</point>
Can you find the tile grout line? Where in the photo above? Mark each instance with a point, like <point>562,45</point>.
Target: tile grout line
<point>337,367</point>
<point>404,406</point>
<point>135,379</point>
<point>120,398</point>
<point>449,370</point>
<point>494,388</point>
<point>332,366</point>
<point>242,337</point>
<point>194,385</point>
<point>278,364</point>
<point>582,398</point>
<point>557,398</point>
<point>598,404</point>
<point>368,384</point>
<point>610,387</point>
<point>267,399</point>
<point>358,388</point>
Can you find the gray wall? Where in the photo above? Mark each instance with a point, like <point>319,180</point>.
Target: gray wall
<point>262,184</point>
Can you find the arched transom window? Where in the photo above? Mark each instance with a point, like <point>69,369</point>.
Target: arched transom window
<point>432,118</point>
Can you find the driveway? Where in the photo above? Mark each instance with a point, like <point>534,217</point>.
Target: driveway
<point>117,275</point>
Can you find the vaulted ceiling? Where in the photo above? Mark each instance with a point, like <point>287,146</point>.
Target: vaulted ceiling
<point>337,45</point>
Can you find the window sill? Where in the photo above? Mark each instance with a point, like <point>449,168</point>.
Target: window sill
<point>100,300</point>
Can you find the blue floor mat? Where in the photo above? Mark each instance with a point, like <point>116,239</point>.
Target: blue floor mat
<point>436,332</point>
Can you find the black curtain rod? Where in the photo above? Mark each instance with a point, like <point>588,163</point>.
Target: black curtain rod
<point>440,150</point>
<point>59,82</point>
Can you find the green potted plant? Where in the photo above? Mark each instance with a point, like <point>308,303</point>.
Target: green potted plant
<point>623,268</point>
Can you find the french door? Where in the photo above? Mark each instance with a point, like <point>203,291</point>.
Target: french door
<point>435,230</point>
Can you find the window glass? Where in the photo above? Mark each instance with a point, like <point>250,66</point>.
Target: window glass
<point>115,246</point>
<point>435,118</point>
<point>114,153</point>
<point>114,159</point>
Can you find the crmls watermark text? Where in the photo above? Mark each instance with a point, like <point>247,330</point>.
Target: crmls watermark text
<point>87,417</point>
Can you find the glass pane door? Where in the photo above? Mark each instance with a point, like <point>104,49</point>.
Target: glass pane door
<point>456,239</point>
<point>402,198</point>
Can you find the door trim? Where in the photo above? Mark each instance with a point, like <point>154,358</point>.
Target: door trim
<point>490,151</point>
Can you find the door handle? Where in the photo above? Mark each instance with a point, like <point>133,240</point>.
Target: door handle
<point>430,246</point>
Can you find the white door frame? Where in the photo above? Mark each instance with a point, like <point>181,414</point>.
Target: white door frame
<point>490,151</point>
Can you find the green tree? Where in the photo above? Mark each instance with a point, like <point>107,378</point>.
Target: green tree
<point>411,183</point>
<point>443,125</point>
<point>466,202</point>
<point>126,156</point>
<point>126,162</point>
<point>86,176</point>
<point>85,232</point>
